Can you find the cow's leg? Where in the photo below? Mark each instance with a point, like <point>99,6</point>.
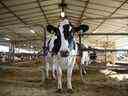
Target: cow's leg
<point>47,70</point>
<point>84,62</point>
<point>57,68</point>
<point>69,72</point>
<point>54,71</point>
<point>59,77</point>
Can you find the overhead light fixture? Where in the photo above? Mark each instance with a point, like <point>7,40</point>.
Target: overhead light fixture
<point>32,31</point>
<point>7,39</point>
<point>31,46</point>
<point>24,44</point>
<point>62,14</point>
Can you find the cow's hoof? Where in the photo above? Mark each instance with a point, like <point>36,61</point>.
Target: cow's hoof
<point>70,90</point>
<point>59,90</point>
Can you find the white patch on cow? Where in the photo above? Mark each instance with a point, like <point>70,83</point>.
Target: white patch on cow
<point>85,58</point>
<point>51,44</point>
<point>70,28</point>
<point>64,43</point>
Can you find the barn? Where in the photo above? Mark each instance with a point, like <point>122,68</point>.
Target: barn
<point>47,44</point>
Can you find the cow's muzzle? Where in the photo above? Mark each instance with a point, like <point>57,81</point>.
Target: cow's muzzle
<point>64,53</point>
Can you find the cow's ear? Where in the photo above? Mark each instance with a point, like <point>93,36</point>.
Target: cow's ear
<point>84,28</point>
<point>56,31</point>
<point>50,28</point>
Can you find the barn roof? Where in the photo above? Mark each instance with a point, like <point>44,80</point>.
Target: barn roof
<point>19,17</point>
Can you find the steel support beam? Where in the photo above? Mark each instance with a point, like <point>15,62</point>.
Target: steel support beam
<point>42,10</point>
<point>111,14</point>
<point>84,10</point>
<point>113,34</point>
<point>75,5</point>
<point>10,11</point>
<point>104,50</point>
<point>104,18</point>
<point>73,13</point>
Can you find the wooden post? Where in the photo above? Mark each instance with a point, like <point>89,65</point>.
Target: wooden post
<point>105,54</point>
<point>44,55</point>
<point>106,45</point>
<point>11,51</point>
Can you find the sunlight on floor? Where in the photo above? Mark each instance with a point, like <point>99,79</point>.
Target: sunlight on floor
<point>114,75</point>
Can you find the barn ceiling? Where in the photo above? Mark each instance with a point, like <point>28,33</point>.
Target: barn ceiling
<point>18,17</point>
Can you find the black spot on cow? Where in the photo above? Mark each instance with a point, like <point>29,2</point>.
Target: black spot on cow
<point>66,31</point>
<point>57,42</point>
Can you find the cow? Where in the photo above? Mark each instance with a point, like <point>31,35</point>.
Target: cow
<point>83,59</point>
<point>62,49</point>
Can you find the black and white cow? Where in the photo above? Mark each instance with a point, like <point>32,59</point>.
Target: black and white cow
<point>62,50</point>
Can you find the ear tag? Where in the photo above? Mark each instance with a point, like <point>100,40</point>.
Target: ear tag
<point>52,32</point>
<point>81,31</point>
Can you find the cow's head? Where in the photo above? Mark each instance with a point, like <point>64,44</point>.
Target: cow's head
<point>66,35</point>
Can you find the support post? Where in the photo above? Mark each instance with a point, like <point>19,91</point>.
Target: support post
<point>44,54</point>
<point>106,45</point>
<point>11,52</point>
<point>80,54</point>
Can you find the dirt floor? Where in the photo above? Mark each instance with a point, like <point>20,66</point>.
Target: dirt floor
<point>96,84</point>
